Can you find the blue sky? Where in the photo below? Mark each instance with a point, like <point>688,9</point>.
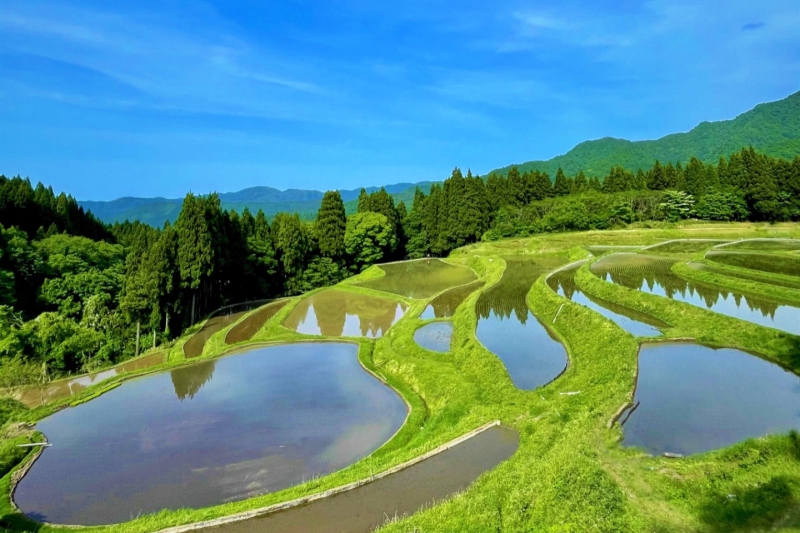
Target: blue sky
<point>154,98</point>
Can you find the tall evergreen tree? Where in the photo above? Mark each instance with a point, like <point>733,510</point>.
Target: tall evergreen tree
<point>330,225</point>
<point>562,185</point>
<point>363,201</point>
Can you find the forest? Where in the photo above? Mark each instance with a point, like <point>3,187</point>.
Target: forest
<point>74,292</point>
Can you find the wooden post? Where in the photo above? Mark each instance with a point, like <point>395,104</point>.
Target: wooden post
<point>138,324</point>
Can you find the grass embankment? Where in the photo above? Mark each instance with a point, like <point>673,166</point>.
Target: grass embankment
<point>569,474</point>
<point>759,288</point>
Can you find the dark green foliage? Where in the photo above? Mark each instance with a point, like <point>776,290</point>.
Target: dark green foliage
<point>721,206</point>
<point>757,507</point>
<point>330,225</point>
<point>562,185</point>
<point>40,211</point>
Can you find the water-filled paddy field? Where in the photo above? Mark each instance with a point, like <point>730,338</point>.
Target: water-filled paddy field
<point>363,509</point>
<point>684,246</point>
<point>764,245</point>
<point>746,275</point>
<point>435,336</point>
<point>507,328</point>
<point>652,274</point>
<point>69,387</point>
<point>692,399</point>
<point>208,433</point>
<point>639,324</point>
<point>421,278</point>
<point>338,313</point>
<point>244,330</point>
<point>217,322</point>
<point>776,264</point>
<point>445,305</point>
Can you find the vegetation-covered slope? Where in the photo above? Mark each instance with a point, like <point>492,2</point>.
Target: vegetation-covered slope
<point>772,128</point>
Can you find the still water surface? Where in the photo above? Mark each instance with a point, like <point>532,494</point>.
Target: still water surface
<point>435,336</point>
<point>421,278</point>
<point>563,283</point>
<point>367,507</point>
<point>693,399</point>
<point>445,305</point>
<point>209,433</point>
<point>339,313</point>
<point>652,274</point>
<point>506,326</point>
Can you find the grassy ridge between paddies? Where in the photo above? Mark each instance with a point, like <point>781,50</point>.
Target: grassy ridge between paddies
<point>781,294</point>
<point>569,474</point>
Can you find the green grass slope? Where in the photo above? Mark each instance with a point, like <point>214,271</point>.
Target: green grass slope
<point>772,128</point>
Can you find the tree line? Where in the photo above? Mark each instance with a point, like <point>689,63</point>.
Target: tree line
<point>74,292</point>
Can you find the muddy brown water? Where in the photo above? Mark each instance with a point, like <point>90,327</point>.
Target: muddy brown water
<point>65,388</point>
<point>248,327</point>
<point>218,321</point>
<point>336,313</point>
<point>445,305</point>
<point>403,493</point>
<point>212,432</point>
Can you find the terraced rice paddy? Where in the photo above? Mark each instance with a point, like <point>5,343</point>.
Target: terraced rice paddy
<point>750,276</point>
<point>683,246</point>
<point>445,305</point>
<point>776,264</point>
<point>338,313</point>
<point>506,326</point>
<point>764,245</point>
<point>604,249</point>
<point>218,321</point>
<point>692,399</point>
<point>369,506</point>
<point>204,434</point>
<point>421,278</point>
<point>244,330</point>
<point>435,336</point>
<point>563,283</point>
<point>65,388</point>
<point>652,274</point>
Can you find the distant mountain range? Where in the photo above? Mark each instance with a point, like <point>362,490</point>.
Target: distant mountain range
<point>156,211</point>
<point>772,128</point>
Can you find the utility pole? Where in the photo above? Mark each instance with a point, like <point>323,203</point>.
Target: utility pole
<point>138,324</point>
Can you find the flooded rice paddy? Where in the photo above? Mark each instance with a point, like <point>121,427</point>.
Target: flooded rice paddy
<point>639,324</point>
<point>218,321</point>
<point>65,388</point>
<point>692,399</point>
<point>339,313</point>
<point>421,278</point>
<point>445,305</point>
<point>600,249</point>
<point>775,264</point>
<point>435,336</point>
<point>749,275</point>
<point>684,246</point>
<point>244,330</point>
<point>652,274</point>
<point>764,245</point>
<point>369,506</point>
<point>507,328</point>
<point>212,432</point>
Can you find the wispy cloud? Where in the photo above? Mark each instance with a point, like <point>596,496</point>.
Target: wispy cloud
<point>753,26</point>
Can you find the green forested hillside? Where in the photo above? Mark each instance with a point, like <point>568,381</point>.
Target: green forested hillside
<point>772,129</point>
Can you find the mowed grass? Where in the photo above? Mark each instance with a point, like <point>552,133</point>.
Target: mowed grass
<point>570,473</point>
